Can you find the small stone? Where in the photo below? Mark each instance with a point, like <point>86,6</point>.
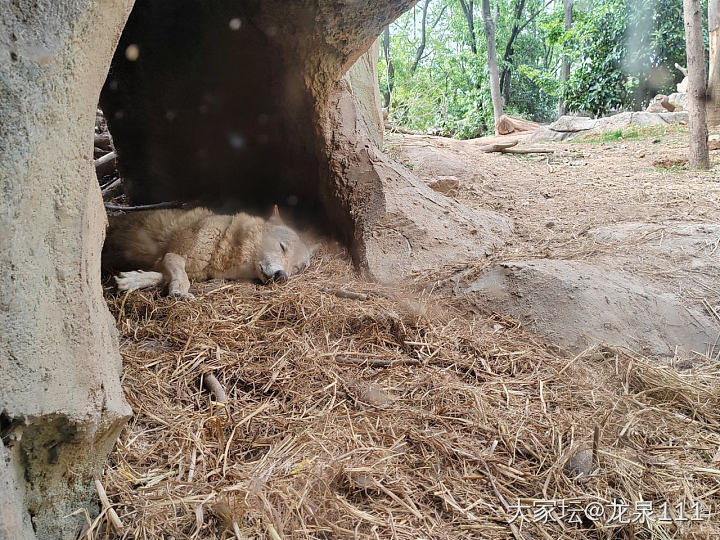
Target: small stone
<point>447,185</point>
<point>580,464</point>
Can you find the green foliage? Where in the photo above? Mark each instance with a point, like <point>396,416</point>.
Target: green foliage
<point>621,52</point>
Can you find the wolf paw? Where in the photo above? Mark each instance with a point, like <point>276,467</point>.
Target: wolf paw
<point>181,295</point>
<point>129,281</point>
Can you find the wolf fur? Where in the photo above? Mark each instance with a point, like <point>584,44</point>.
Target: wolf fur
<point>174,247</point>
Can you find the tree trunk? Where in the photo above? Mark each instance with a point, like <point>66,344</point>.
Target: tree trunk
<point>697,90</point>
<point>423,38</point>
<point>505,75</point>
<point>387,95</point>
<point>713,105</point>
<point>489,24</point>
<point>467,8</point>
<point>565,75</point>
<point>61,404</point>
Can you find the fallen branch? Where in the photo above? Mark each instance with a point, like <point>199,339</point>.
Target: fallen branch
<point>398,129</point>
<point>497,147</point>
<point>104,141</point>
<point>106,164</point>
<point>109,190</point>
<point>112,515</point>
<point>377,362</point>
<point>507,148</point>
<point>156,206</point>
<point>527,151</point>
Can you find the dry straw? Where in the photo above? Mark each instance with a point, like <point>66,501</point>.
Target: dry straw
<point>352,416</point>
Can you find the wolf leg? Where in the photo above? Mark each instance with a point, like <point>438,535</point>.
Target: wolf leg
<point>173,268</point>
<point>138,279</point>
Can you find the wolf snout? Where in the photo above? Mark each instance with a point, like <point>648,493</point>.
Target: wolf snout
<point>270,273</point>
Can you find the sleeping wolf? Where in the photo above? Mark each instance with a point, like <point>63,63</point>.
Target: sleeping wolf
<point>174,247</point>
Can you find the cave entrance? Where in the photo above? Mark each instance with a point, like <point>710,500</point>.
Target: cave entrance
<point>206,105</point>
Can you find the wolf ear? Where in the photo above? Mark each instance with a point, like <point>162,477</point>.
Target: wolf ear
<point>275,217</point>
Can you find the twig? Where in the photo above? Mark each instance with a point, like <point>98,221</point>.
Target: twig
<point>112,186</point>
<point>272,532</point>
<point>112,515</point>
<point>377,362</point>
<point>156,206</point>
<point>342,293</point>
<point>527,151</point>
<point>213,385</point>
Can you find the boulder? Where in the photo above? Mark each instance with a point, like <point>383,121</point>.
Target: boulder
<point>577,304</point>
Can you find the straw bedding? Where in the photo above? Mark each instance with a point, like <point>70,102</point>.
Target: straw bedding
<point>397,415</point>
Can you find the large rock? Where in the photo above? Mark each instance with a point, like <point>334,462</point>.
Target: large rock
<point>61,404</point>
<point>292,126</point>
<point>576,305</point>
<point>570,127</point>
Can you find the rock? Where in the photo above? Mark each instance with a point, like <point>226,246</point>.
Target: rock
<point>60,393</point>
<point>304,134</point>
<point>570,127</point>
<point>679,100</point>
<point>447,185</point>
<point>576,304</point>
<point>580,464</point>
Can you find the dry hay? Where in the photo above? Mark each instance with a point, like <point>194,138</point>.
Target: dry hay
<point>384,418</point>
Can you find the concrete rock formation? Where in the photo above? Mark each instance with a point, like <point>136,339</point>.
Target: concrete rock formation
<point>576,304</point>
<point>277,118</point>
<point>61,404</point>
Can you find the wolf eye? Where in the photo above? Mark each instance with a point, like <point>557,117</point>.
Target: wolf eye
<point>283,247</point>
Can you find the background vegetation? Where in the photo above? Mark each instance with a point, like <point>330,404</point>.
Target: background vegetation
<point>621,53</point>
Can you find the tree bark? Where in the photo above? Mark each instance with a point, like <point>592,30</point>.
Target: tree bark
<point>387,95</point>
<point>505,75</point>
<point>713,105</point>
<point>423,38</point>
<point>697,90</point>
<point>467,8</point>
<point>565,75</point>
<point>489,23</point>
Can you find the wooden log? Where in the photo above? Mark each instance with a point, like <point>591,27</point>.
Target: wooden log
<point>113,189</point>
<point>497,147</point>
<point>507,124</point>
<point>106,164</point>
<point>104,141</point>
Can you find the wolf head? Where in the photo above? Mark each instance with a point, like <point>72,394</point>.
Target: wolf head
<point>280,252</point>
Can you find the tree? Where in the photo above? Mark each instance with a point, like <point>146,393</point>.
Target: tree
<point>697,90</point>
<point>387,91</point>
<point>713,105</point>
<point>467,8</point>
<point>489,23</point>
<point>567,11</point>
<point>423,38</point>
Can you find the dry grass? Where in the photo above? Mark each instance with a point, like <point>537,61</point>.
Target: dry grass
<point>323,438</point>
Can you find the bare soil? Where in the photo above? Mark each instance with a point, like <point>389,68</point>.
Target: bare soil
<point>628,206</point>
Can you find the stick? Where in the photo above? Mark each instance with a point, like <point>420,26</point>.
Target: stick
<point>527,151</point>
<point>213,385</point>
<point>377,362</point>
<point>106,164</point>
<point>171,204</point>
<point>112,515</point>
<point>497,147</point>
<point>111,187</point>
<point>343,293</point>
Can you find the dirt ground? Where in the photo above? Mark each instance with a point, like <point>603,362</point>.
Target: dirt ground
<point>406,412</point>
<point>627,206</point>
